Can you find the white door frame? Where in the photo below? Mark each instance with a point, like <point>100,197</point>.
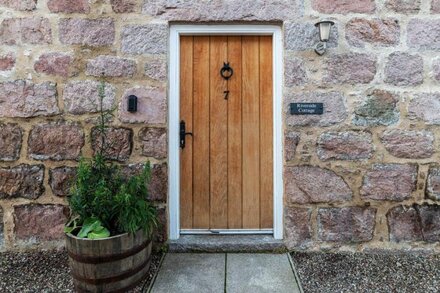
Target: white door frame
<point>174,112</point>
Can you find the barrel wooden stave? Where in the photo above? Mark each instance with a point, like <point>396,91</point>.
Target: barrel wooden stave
<point>94,268</point>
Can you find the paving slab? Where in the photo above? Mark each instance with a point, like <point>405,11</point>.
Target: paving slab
<point>188,272</point>
<point>259,273</point>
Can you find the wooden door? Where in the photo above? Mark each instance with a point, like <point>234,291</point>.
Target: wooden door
<point>227,164</point>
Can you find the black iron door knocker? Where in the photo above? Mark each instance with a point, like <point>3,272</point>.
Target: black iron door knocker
<point>226,72</point>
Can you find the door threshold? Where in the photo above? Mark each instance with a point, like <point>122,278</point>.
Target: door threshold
<point>226,243</point>
<point>226,231</point>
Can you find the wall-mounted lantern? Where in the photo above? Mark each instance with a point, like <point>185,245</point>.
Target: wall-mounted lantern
<point>324,27</point>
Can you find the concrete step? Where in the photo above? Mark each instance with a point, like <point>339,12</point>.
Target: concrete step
<point>227,243</point>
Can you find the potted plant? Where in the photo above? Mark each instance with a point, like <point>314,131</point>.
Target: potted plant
<point>109,232</point>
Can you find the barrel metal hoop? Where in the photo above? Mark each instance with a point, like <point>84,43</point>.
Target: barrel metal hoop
<point>121,290</point>
<point>120,277</point>
<point>108,258</point>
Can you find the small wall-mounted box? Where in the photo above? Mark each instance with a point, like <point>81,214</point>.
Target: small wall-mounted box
<point>132,103</point>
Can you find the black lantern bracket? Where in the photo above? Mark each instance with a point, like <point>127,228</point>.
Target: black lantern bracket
<point>226,72</point>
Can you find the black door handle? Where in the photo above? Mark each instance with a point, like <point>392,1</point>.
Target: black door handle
<point>183,134</point>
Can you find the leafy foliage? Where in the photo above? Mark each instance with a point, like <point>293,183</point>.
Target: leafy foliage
<point>93,229</point>
<point>103,201</point>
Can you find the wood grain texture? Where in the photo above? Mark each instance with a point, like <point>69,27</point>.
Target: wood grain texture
<point>234,136</point>
<point>105,274</point>
<point>228,166</point>
<point>251,129</point>
<point>201,178</point>
<point>186,154</point>
<point>266,133</point>
<point>218,135</point>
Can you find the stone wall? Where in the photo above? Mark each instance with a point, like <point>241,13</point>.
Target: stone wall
<point>363,176</point>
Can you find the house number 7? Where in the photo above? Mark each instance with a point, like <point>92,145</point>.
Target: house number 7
<point>226,94</point>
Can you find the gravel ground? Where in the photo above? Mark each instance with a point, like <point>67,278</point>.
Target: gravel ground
<point>336,272</point>
<point>48,271</point>
<point>45,271</point>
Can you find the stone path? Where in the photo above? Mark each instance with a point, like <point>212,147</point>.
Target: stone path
<point>221,272</point>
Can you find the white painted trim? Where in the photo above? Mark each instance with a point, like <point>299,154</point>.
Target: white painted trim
<point>173,137</point>
<point>174,109</point>
<point>278,186</point>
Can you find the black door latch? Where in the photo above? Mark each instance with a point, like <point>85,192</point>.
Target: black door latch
<point>183,134</point>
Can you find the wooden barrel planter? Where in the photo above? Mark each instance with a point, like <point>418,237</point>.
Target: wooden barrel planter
<point>114,264</point>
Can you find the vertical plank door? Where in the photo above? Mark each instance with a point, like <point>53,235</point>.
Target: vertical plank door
<point>186,112</point>
<point>201,175</point>
<point>235,154</point>
<point>251,131</point>
<point>218,135</point>
<point>227,165</point>
<point>266,133</point>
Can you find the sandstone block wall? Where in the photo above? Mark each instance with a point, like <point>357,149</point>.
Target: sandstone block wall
<point>362,176</point>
